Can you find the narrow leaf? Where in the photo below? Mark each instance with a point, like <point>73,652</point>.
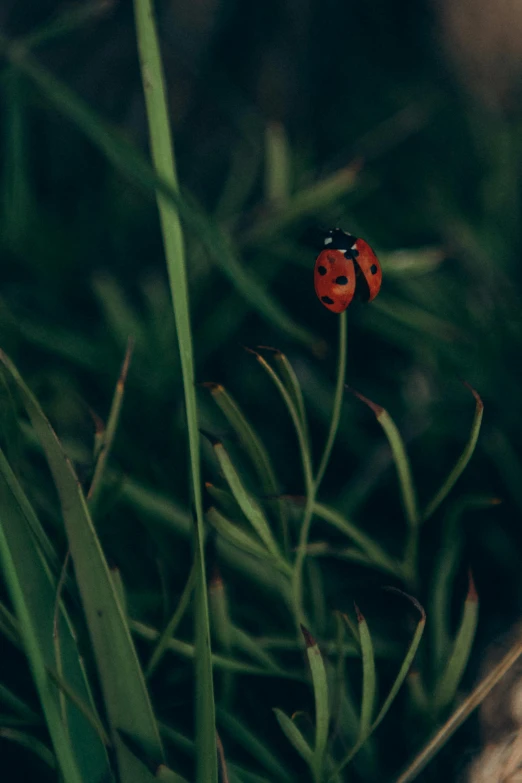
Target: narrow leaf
<point>322,715</point>
<point>462,461</point>
<point>295,737</point>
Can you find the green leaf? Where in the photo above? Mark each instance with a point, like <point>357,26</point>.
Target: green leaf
<point>322,713</point>
<point>277,163</point>
<point>30,743</point>
<point>253,745</point>
<point>368,546</point>
<point>369,681</point>
<point>248,505</point>
<point>170,628</point>
<point>401,676</point>
<point>462,461</point>
<point>162,150</point>
<point>295,737</point>
<point>446,687</point>
<point>126,698</point>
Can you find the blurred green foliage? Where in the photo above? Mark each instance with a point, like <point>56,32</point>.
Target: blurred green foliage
<point>287,117</point>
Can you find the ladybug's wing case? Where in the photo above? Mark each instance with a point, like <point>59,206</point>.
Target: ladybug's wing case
<point>369,265</point>
<point>334,280</point>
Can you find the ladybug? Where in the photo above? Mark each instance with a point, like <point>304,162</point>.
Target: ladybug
<point>345,267</point>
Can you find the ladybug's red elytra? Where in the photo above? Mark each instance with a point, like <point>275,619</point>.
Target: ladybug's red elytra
<point>346,266</point>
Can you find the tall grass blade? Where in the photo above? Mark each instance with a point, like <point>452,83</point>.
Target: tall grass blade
<point>126,697</point>
<point>163,157</point>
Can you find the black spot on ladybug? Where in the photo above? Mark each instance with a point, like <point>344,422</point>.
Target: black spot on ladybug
<point>327,300</point>
<point>341,280</point>
<point>373,269</point>
<point>321,270</point>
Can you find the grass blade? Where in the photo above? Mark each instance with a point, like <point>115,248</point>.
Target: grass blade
<point>30,743</point>
<point>126,698</point>
<point>110,431</point>
<point>277,163</point>
<point>322,713</point>
<point>448,683</point>
<point>369,547</point>
<point>369,675</point>
<point>253,745</point>
<point>401,676</point>
<point>295,737</point>
<point>173,623</point>
<point>248,505</point>
<point>462,461</point>
<point>463,711</point>
<point>163,157</point>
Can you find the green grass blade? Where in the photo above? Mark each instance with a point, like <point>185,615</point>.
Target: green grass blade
<point>30,743</point>
<point>338,401</point>
<point>322,712</point>
<point>126,697</point>
<point>369,680</point>
<point>25,588</point>
<point>407,662</point>
<point>401,676</point>
<point>277,163</point>
<point>17,705</point>
<point>400,458</point>
<point>110,431</point>
<point>253,745</point>
<point>463,711</point>
<point>462,461</point>
<point>243,540</point>
<point>222,628</point>
<point>170,628</point>
<point>166,775</point>
<point>163,157</point>
<point>445,567</point>
<point>248,437</point>
<point>253,447</point>
<point>248,505</point>
<point>297,581</point>
<point>448,683</point>
<point>295,737</point>
<point>291,382</point>
<point>369,547</point>
<point>55,633</point>
<point>66,22</point>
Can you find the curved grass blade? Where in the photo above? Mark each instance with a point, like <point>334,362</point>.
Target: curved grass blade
<point>167,775</point>
<point>248,437</point>
<point>295,737</point>
<point>297,580</point>
<point>222,627</point>
<point>462,461</point>
<point>253,745</point>
<point>448,683</point>
<point>369,681</point>
<point>164,163</point>
<point>243,540</point>
<point>226,501</point>
<point>400,457</point>
<point>110,431</point>
<point>54,631</point>
<point>254,448</point>
<point>16,704</point>
<point>445,567</point>
<point>12,545</point>
<point>30,743</point>
<point>463,711</point>
<point>373,551</point>
<point>401,676</point>
<point>248,505</point>
<point>322,713</point>
<point>126,698</point>
<point>291,383</point>
<point>173,623</point>
<point>187,651</point>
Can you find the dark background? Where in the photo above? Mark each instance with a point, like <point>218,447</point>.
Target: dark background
<point>424,97</point>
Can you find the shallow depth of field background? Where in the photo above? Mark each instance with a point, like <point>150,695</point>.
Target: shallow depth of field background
<point>423,100</point>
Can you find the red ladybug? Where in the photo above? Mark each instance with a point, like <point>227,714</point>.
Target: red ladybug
<point>346,266</point>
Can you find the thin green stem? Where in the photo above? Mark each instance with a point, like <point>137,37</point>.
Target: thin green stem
<point>338,401</point>
<point>312,485</point>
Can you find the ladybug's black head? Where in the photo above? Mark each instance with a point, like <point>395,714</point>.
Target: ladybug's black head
<point>337,239</point>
